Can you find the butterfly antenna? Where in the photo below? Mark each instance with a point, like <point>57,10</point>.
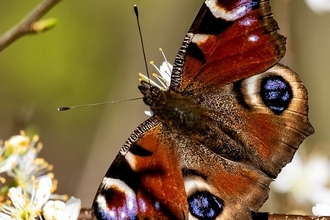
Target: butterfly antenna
<point>141,39</point>
<point>65,108</point>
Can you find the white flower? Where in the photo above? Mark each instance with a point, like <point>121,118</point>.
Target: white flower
<point>25,206</point>
<point>26,167</point>
<point>321,210</point>
<point>305,180</point>
<point>58,210</point>
<point>163,77</point>
<point>8,163</point>
<point>31,183</point>
<point>43,191</point>
<point>165,71</point>
<point>5,216</point>
<point>11,150</point>
<point>319,6</point>
<point>19,141</point>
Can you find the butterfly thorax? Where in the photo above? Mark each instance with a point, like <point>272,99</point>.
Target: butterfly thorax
<point>182,114</point>
<point>170,107</point>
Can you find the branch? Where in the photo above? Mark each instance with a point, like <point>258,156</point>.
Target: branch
<point>26,25</point>
<point>86,214</point>
<point>272,216</point>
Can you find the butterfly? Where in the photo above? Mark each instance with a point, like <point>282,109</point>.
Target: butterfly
<point>231,118</point>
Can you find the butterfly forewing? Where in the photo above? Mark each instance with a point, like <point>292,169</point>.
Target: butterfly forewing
<point>228,41</point>
<point>145,180</point>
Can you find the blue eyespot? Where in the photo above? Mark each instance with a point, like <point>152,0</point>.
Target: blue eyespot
<point>204,205</point>
<point>276,93</point>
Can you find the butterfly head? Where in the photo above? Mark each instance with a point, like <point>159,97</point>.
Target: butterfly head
<point>151,89</point>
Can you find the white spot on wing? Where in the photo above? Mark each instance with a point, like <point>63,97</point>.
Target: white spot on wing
<point>200,38</point>
<point>121,186</point>
<point>130,158</point>
<point>246,22</point>
<point>219,12</point>
<point>253,38</point>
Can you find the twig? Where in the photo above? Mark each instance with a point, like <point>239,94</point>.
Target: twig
<point>25,26</point>
<point>272,216</point>
<point>86,214</point>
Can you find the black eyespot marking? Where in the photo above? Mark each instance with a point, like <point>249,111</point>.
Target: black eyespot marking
<point>276,93</point>
<point>191,173</point>
<point>204,205</point>
<point>210,24</point>
<point>140,151</point>
<point>194,51</point>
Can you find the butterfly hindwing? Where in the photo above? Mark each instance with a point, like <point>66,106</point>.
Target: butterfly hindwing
<point>163,175</point>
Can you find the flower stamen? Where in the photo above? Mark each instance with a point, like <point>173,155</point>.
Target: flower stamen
<point>163,76</point>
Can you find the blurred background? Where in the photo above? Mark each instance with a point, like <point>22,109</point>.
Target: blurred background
<point>94,55</point>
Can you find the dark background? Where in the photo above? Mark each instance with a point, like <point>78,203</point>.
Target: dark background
<point>94,55</point>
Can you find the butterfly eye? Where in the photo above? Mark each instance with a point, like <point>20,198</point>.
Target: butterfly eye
<point>276,93</point>
<point>204,205</point>
<point>150,92</point>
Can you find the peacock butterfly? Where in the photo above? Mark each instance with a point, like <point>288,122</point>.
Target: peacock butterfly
<point>231,118</point>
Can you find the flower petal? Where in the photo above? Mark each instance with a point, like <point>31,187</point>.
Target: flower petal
<point>319,6</point>
<point>4,216</point>
<point>16,196</point>
<point>72,208</point>
<point>53,209</point>
<point>321,210</point>
<point>43,192</point>
<point>9,163</point>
